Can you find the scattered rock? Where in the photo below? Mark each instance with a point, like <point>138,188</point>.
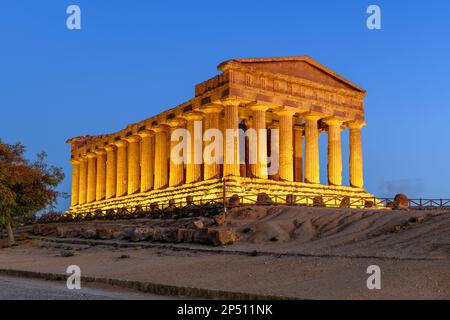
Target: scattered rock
<point>4,243</point>
<point>263,199</point>
<point>368,204</point>
<point>166,234</point>
<point>67,253</point>
<point>220,219</point>
<point>318,201</point>
<point>345,202</point>
<point>401,201</point>
<point>44,229</point>
<point>142,233</point>
<point>234,201</point>
<point>222,237</point>
<point>22,236</point>
<point>185,235</point>
<point>290,199</point>
<point>105,233</point>
<point>88,233</point>
<point>198,224</point>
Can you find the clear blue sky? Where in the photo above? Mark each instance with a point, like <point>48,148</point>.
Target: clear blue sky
<point>133,59</point>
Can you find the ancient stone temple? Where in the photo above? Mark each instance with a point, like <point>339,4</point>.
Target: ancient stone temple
<point>296,96</point>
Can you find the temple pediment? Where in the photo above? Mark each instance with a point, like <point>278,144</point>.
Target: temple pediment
<point>302,67</point>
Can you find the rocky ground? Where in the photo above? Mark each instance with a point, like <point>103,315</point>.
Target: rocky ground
<point>300,252</point>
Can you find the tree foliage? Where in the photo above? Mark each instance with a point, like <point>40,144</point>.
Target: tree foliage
<point>25,187</point>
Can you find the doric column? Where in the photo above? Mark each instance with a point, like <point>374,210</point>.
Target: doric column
<point>312,149</point>
<point>273,145</point>
<point>91,177</point>
<point>161,158</point>
<point>122,168</point>
<point>250,168</point>
<point>83,181</point>
<point>356,159</point>
<point>75,182</point>
<point>334,152</point>
<point>134,166</point>
<point>176,167</point>
<point>195,152</point>
<point>298,154</point>
<point>259,125</point>
<point>231,161</point>
<point>100,189</point>
<point>286,146</point>
<point>211,121</point>
<point>147,158</point>
<point>111,171</point>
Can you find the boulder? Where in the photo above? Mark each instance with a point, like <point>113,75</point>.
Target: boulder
<point>368,204</point>
<point>185,235</point>
<point>202,236</point>
<point>105,233</point>
<point>222,237</point>
<point>44,229</point>
<point>401,201</point>
<point>318,201</point>
<point>345,202</point>
<point>22,236</point>
<point>88,233</point>
<point>220,219</point>
<point>197,224</point>
<point>67,231</point>
<point>142,233</point>
<point>263,199</point>
<point>4,243</point>
<point>166,234</point>
<point>189,200</point>
<point>290,199</point>
<point>234,201</point>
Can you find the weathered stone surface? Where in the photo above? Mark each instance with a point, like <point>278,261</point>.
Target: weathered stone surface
<point>202,236</point>
<point>222,237</point>
<point>166,234</point>
<point>368,204</point>
<point>88,233</point>
<point>263,199</point>
<point>105,233</point>
<point>185,235</point>
<point>318,201</point>
<point>142,233</point>
<point>345,202</point>
<point>198,224</point>
<point>401,201</point>
<point>290,199</point>
<point>67,231</point>
<point>44,229</point>
<point>234,201</point>
<point>219,219</point>
<point>4,243</point>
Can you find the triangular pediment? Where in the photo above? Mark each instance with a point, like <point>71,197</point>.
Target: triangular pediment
<point>299,67</point>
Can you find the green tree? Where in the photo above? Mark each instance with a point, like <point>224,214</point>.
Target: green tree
<point>25,187</point>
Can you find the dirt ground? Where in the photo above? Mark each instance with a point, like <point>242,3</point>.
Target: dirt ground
<point>307,253</point>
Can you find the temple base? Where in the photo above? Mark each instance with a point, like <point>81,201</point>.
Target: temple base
<point>247,189</point>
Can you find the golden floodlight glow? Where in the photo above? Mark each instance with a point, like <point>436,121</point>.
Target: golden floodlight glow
<point>295,96</point>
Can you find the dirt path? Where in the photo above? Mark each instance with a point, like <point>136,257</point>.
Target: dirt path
<point>300,277</point>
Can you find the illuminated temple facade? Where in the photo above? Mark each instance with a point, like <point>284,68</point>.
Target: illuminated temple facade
<point>296,95</point>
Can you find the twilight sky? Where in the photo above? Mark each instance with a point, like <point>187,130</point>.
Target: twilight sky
<point>135,58</point>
